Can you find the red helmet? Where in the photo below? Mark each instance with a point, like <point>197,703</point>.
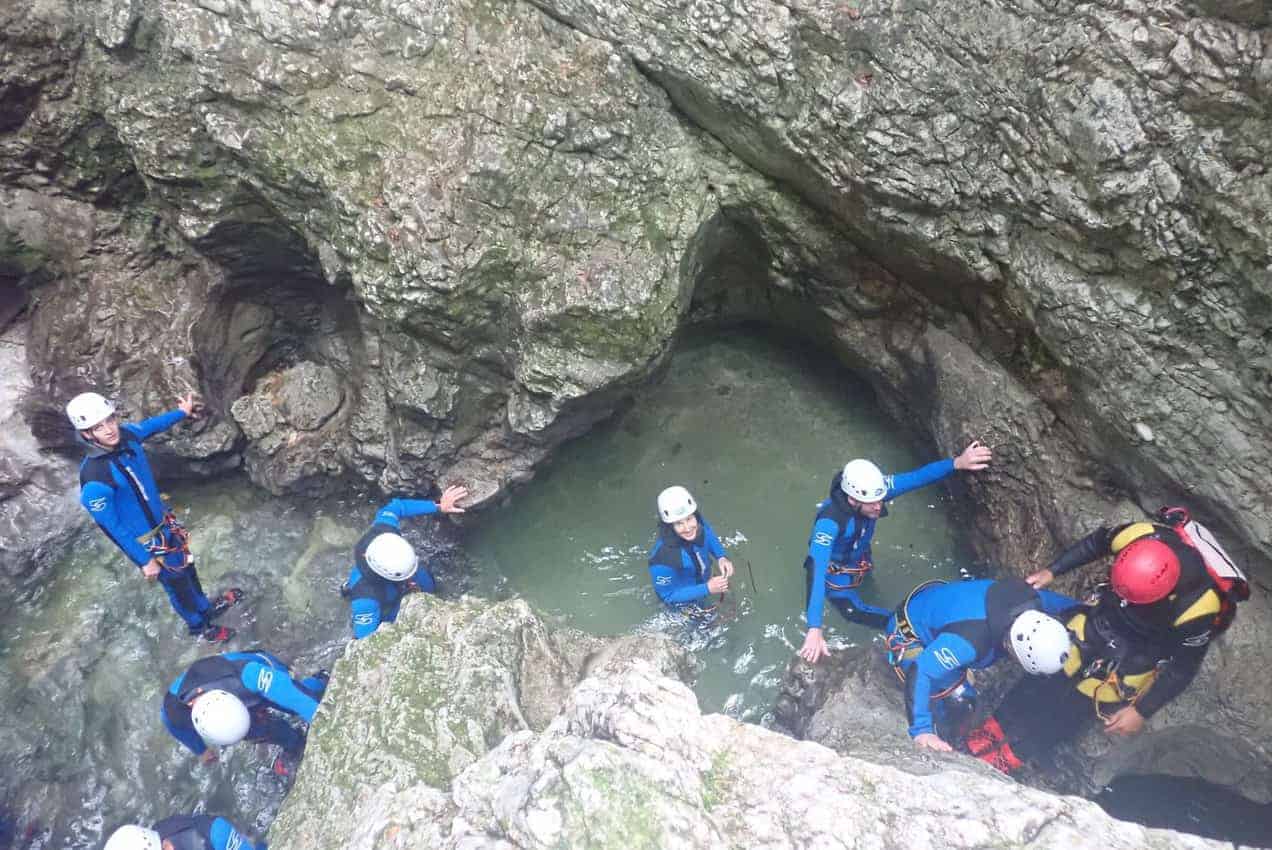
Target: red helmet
<point>1144,572</point>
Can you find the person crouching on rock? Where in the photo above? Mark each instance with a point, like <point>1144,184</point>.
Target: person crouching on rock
<point>119,492</point>
<point>941,631</point>
<point>680,564</point>
<point>223,699</point>
<point>182,832</point>
<point>386,568</point>
<point>1138,640</point>
<point>839,556</point>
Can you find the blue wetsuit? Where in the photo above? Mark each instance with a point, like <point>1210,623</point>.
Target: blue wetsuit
<point>839,555</point>
<point>961,626</point>
<point>119,492</point>
<point>260,680</point>
<point>202,832</point>
<point>375,599</point>
<point>680,569</point>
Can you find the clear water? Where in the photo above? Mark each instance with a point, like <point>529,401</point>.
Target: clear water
<point>1189,805</point>
<point>755,429</point>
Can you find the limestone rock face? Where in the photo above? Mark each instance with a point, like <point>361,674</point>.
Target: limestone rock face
<point>417,703</point>
<point>39,494</point>
<point>628,762</point>
<point>1036,226</point>
<point>479,225</point>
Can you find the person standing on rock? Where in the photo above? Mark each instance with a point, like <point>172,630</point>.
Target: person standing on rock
<point>223,699</point>
<point>839,556</point>
<point>1139,639</point>
<point>386,568</point>
<point>941,631</point>
<point>118,490</point>
<point>680,562</point>
<point>182,832</point>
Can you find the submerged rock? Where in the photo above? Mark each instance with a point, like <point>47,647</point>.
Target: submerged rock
<point>429,738</point>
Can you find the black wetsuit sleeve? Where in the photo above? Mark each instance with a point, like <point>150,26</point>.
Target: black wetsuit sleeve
<point>1094,546</point>
<point>1174,676</point>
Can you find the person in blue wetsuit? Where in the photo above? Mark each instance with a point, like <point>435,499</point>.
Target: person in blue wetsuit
<point>943,630</point>
<point>686,546</point>
<point>839,556</point>
<point>182,832</point>
<point>119,492</point>
<point>386,568</point>
<point>224,699</point>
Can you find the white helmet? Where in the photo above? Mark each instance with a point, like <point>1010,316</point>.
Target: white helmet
<point>675,503</point>
<point>390,556</point>
<point>134,838</point>
<point>863,481</point>
<point>87,410</point>
<point>220,718</point>
<point>1041,643</point>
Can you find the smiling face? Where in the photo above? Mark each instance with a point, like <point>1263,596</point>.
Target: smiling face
<point>687,528</point>
<point>104,433</point>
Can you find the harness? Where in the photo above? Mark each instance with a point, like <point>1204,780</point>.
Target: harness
<point>157,543</point>
<point>841,514</point>
<point>904,644</point>
<point>1104,678</point>
<point>856,574</point>
<point>177,540</point>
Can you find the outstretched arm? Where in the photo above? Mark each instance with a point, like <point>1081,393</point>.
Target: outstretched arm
<point>400,509</point>
<point>147,428</point>
<point>904,482</point>
<point>276,685</point>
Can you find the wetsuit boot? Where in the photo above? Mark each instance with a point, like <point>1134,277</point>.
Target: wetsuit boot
<point>216,634</point>
<point>227,600</point>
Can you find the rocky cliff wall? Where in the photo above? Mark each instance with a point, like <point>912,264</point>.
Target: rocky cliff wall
<point>434,734</point>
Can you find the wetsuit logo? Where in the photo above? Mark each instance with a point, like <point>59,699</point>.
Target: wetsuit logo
<point>98,504</point>
<point>1197,640</point>
<point>663,580</point>
<point>363,619</point>
<point>234,842</point>
<point>946,658</point>
<point>264,679</point>
<point>821,538</point>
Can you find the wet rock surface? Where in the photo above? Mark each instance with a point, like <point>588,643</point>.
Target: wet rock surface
<point>414,706</point>
<point>471,228</point>
<point>39,493</point>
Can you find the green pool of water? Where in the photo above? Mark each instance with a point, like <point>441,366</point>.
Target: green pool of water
<point>755,429</point>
